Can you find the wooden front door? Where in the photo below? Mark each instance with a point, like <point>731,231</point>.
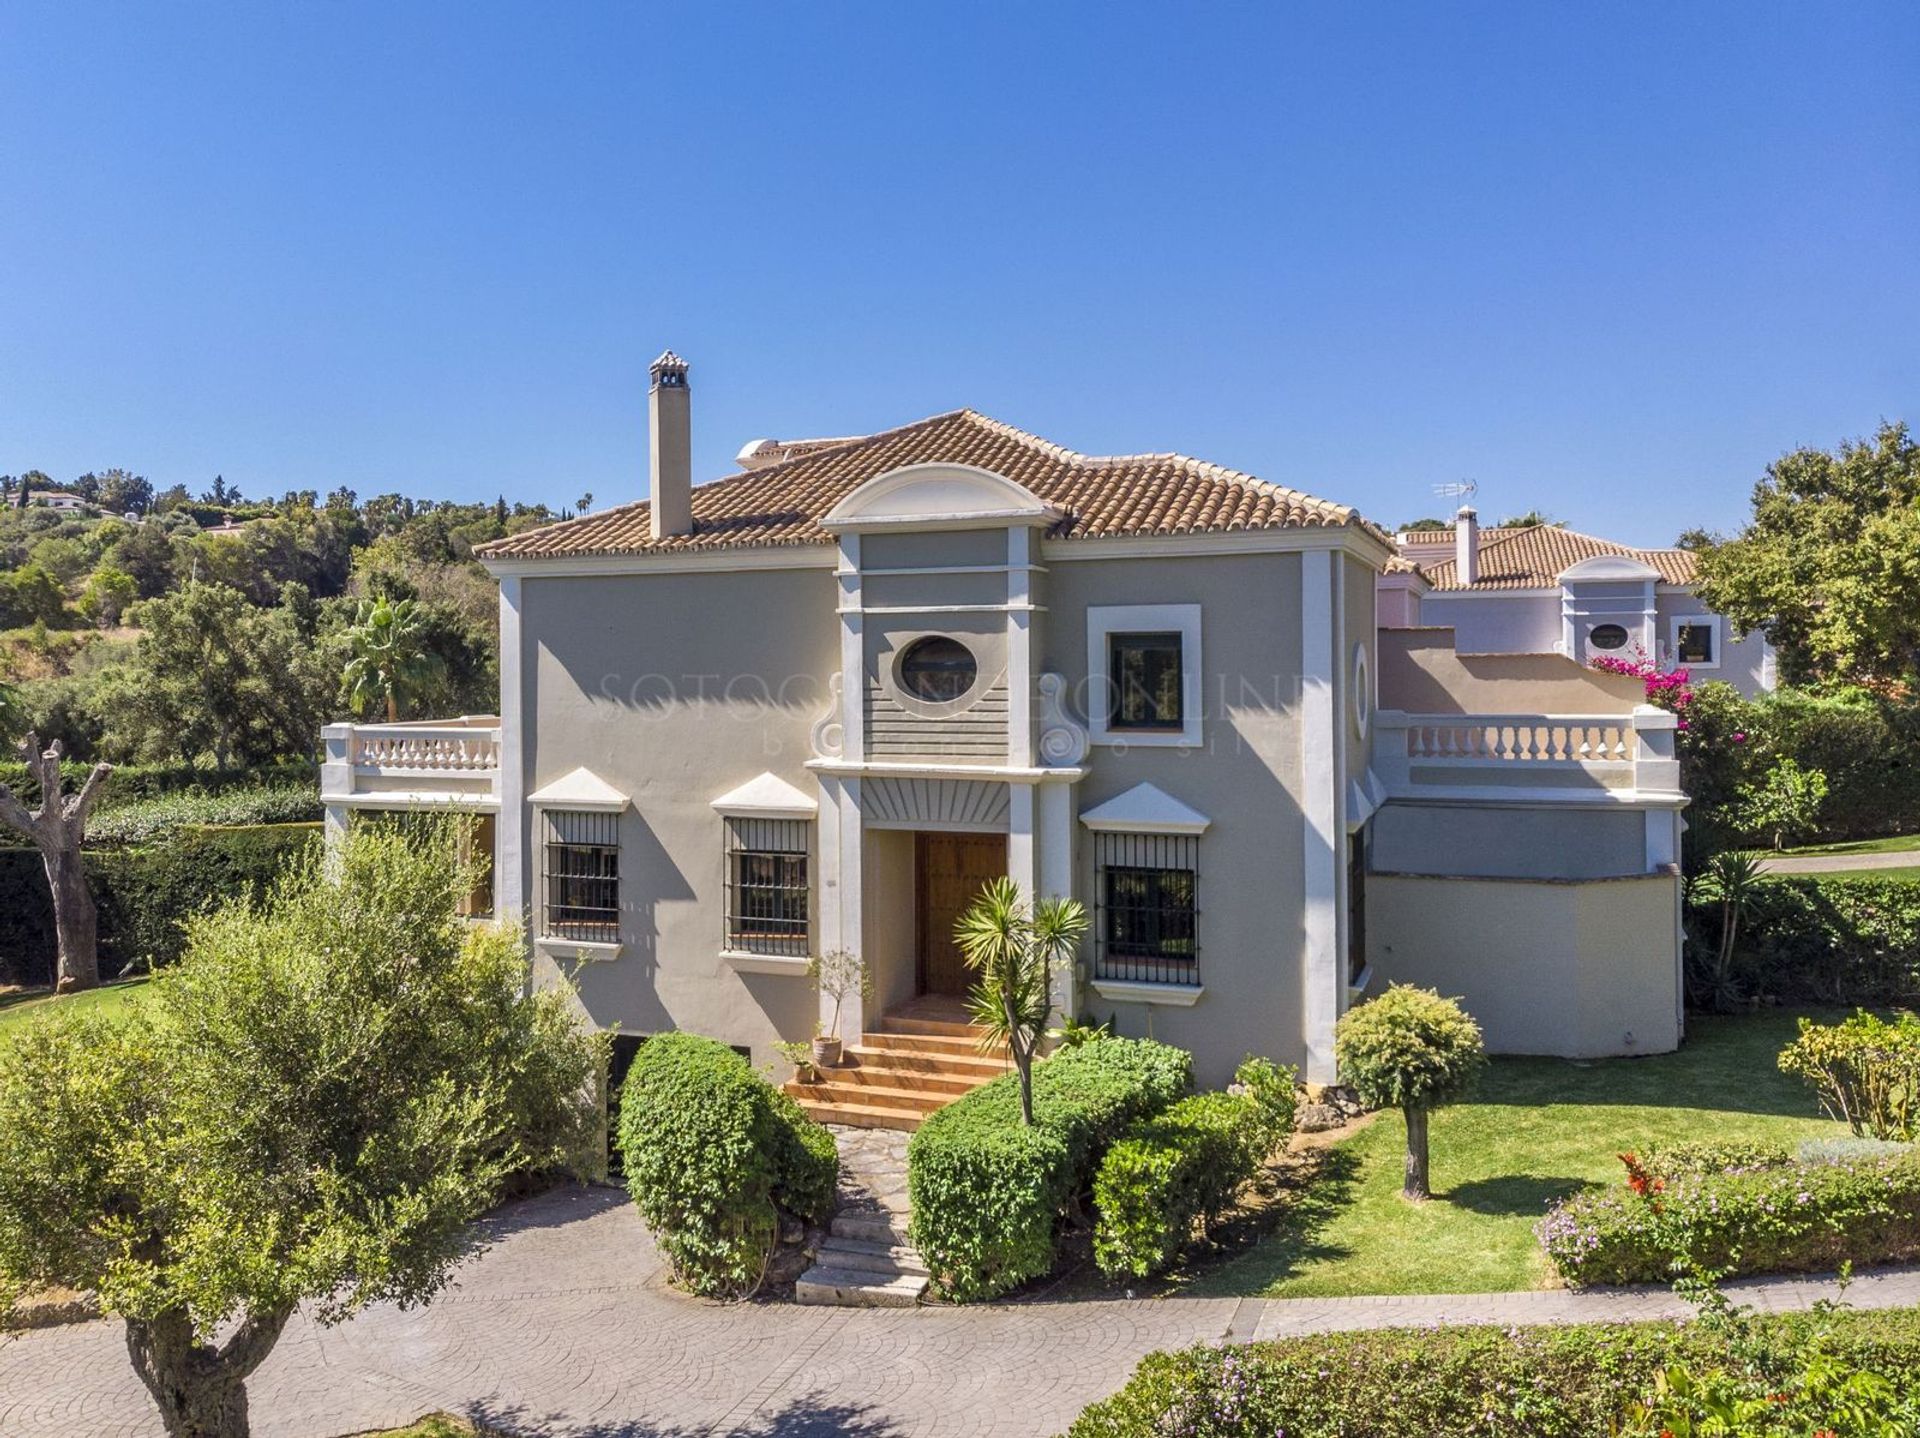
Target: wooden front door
<point>949,872</point>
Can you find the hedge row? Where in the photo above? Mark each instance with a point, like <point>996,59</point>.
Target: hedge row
<point>1174,1172</point>
<point>716,1158</point>
<point>1779,1218</point>
<point>1568,1381</point>
<point>987,1192</point>
<point>141,783</point>
<point>1825,939</point>
<point>150,819</point>
<point>143,894</point>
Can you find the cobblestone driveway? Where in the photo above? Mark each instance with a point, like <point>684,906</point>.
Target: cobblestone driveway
<point>566,1327</point>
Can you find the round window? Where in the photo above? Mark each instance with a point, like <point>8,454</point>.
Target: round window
<point>937,669</point>
<point>1607,636</point>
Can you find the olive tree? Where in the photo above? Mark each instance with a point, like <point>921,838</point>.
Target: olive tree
<point>310,1109</point>
<point>57,828</point>
<point>1412,1050</point>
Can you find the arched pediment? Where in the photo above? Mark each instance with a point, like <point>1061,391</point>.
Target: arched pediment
<point>1608,566</point>
<point>938,496</point>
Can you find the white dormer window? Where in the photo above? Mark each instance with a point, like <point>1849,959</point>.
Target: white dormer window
<point>1143,667</point>
<point>1696,641</point>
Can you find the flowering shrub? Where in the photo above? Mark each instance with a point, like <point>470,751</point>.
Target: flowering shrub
<point>1572,1381</point>
<point>1783,1218</point>
<point>1670,689</point>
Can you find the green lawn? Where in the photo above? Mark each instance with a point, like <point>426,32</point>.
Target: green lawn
<point>1896,844</point>
<point>1538,1130</point>
<point>24,1008</point>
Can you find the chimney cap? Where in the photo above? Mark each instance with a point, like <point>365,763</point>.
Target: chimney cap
<point>669,370</point>
<point>1467,511</point>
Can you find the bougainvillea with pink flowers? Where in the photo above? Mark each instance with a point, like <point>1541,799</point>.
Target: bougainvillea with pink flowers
<point>1670,689</point>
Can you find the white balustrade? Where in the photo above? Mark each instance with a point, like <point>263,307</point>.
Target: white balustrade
<point>425,748</point>
<point>1567,754</point>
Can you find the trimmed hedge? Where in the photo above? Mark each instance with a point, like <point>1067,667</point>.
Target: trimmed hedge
<point>1569,1381</point>
<point>141,783</point>
<point>150,819</point>
<point>144,894</point>
<point>716,1158</point>
<point>1180,1169</point>
<point>1783,1218</point>
<point>987,1192</point>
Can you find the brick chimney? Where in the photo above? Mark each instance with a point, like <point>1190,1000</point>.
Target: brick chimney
<point>1466,545</point>
<point>670,445</point>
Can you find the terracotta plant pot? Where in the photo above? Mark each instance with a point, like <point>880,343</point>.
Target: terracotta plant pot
<point>826,1053</point>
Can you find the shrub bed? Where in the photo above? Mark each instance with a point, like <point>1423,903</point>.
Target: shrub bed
<point>1177,1170</point>
<point>1568,1381</point>
<point>1779,1218</point>
<point>144,894</point>
<point>716,1158</point>
<point>1827,939</point>
<point>987,1192</point>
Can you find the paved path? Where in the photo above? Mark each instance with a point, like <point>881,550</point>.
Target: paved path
<point>1840,863</point>
<point>566,1327</point>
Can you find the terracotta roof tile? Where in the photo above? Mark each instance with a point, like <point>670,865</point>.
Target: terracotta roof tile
<point>1534,557</point>
<point>1100,496</point>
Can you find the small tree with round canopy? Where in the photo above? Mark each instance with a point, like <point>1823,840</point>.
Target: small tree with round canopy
<point>1412,1050</point>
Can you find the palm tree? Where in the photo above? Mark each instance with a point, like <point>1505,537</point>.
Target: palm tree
<point>1015,951</point>
<point>1732,880</point>
<point>391,662</point>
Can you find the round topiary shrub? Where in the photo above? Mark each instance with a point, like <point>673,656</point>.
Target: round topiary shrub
<point>1412,1050</point>
<point>715,1158</point>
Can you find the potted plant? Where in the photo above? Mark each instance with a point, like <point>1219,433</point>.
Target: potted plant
<point>800,1055</point>
<point>838,975</point>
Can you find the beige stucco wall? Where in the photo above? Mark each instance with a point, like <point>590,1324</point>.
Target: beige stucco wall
<point>1578,970</point>
<point>1245,777</point>
<point>674,689</point>
<point>1421,673</point>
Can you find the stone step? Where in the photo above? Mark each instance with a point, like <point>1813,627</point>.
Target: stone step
<point>870,1228</point>
<point>866,1256</point>
<point>860,1115</point>
<point>834,1091</point>
<point>964,1062</point>
<point>850,1288</point>
<point>940,1028</point>
<point>946,1045</point>
<point>878,1073</point>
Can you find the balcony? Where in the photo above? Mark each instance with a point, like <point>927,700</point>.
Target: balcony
<point>1530,758</point>
<point>397,766</point>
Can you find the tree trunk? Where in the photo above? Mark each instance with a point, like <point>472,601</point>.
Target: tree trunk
<point>393,706</point>
<point>200,1390</point>
<point>76,922</point>
<point>1416,1178</point>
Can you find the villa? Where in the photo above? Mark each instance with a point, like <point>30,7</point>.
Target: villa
<point>815,704</point>
<point>1547,589</point>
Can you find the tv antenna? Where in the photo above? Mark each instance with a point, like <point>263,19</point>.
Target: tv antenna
<point>1458,489</point>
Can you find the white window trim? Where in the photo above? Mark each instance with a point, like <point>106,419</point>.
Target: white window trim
<point>1107,619</point>
<point>1712,621</point>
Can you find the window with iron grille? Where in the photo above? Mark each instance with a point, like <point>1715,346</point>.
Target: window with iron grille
<point>767,895</point>
<point>580,876</point>
<point>1147,889</point>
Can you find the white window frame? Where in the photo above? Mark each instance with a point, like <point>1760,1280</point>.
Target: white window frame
<point>1109,619</point>
<point>1712,622</point>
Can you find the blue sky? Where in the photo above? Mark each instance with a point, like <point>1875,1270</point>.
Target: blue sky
<point>1606,260</point>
